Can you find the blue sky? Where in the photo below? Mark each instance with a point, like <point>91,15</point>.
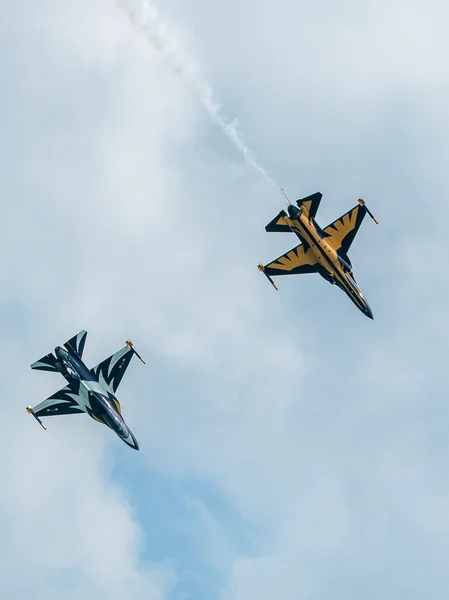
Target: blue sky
<point>290,447</point>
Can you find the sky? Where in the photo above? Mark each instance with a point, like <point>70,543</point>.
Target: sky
<point>289,446</point>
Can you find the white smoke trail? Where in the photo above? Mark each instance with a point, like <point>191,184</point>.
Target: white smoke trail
<point>144,15</point>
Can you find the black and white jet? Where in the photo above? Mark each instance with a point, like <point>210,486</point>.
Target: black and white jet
<point>88,390</point>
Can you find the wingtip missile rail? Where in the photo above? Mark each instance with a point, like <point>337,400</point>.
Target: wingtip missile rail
<point>31,412</point>
<point>131,347</point>
<point>362,203</point>
<point>262,270</point>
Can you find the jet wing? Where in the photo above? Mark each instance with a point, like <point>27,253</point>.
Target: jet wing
<point>294,262</point>
<point>63,402</point>
<point>341,233</point>
<point>110,371</point>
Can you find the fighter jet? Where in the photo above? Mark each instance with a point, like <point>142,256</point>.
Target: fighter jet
<point>321,251</point>
<point>88,390</point>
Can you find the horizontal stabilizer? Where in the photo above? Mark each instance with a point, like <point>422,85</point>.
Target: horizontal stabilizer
<point>278,223</point>
<point>310,203</point>
<point>46,363</point>
<point>76,343</point>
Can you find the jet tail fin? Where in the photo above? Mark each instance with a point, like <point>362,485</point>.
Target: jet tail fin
<point>77,342</point>
<point>46,363</point>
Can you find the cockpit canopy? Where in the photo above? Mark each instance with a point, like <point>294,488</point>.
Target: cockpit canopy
<point>112,419</point>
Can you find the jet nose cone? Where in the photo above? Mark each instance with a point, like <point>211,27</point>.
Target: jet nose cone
<point>134,444</point>
<point>131,440</point>
<point>369,312</point>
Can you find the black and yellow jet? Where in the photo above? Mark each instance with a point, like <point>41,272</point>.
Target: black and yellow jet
<point>321,251</point>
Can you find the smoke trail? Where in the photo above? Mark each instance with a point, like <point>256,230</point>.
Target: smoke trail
<point>144,15</point>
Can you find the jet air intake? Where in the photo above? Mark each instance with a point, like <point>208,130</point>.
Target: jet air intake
<point>344,265</point>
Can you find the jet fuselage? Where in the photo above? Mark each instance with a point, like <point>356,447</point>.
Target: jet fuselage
<point>99,403</point>
<point>331,266</point>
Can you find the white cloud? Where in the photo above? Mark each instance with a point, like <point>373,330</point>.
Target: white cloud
<point>354,101</point>
<point>321,427</point>
<point>79,80</point>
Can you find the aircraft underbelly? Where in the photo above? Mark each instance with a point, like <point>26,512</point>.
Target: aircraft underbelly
<point>324,257</point>
<point>324,254</point>
<point>85,388</point>
<point>83,397</point>
<point>327,258</point>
